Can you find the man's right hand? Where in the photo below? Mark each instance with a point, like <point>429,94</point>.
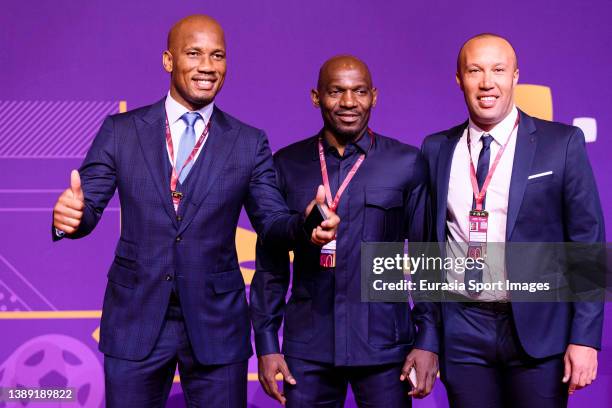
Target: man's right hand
<point>268,366</point>
<point>68,210</point>
<point>426,366</point>
<point>326,232</point>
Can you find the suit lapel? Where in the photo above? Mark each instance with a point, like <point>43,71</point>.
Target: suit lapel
<point>523,158</point>
<point>217,149</point>
<point>445,158</point>
<point>152,137</point>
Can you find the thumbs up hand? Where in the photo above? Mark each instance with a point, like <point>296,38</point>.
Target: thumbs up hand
<point>68,210</point>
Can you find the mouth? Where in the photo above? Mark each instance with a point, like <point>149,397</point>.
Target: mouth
<point>348,118</point>
<point>487,101</point>
<point>204,84</point>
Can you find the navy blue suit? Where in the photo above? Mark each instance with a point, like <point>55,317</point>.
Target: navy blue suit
<point>191,252</point>
<point>561,207</point>
<point>327,328</point>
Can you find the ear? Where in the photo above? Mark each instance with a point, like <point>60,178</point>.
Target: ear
<point>515,77</point>
<point>167,61</point>
<point>314,97</point>
<point>458,80</point>
<point>374,96</point>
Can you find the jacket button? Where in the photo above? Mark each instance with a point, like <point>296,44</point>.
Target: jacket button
<point>179,218</point>
<point>168,277</point>
<point>178,239</point>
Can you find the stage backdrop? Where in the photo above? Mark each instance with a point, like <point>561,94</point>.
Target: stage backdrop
<point>66,65</point>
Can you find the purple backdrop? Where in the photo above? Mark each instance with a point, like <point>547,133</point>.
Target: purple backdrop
<point>66,64</point>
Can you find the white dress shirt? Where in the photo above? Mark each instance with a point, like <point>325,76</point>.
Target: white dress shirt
<point>460,197</point>
<point>175,110</point>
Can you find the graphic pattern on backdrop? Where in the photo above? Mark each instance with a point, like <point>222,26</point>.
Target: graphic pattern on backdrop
<point>25,127</point>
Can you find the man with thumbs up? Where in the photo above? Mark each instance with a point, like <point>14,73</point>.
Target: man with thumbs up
<point>183,170</point>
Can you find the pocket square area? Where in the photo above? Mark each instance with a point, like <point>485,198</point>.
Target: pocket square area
<point>546,173</point>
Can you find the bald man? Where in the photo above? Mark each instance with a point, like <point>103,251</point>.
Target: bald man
<point>331,339</point>
<point>504,177</point>
<point>183,169</point>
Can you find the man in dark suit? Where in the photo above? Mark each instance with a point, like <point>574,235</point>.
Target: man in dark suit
<point>331,339</point>
<point>183,169</point>
<point>534,180</point>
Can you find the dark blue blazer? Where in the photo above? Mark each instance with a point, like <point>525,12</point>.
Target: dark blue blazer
<point>193,251</point>
<point>325,319</point>
<point>561,207</point>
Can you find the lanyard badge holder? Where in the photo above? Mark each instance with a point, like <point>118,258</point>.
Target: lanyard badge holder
<point>479,217</point>
<point>177,196</point>
<point>479,225</point>
<point>327,258</point>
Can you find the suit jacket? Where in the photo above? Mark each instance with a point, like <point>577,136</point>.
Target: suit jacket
<point>563,206</point>
<point>192,250</point>
<point>325,319</point>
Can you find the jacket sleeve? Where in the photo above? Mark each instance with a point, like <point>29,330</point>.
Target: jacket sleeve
<point>419,228</point>
<point>98,179</point>
<point>584,224</point>
<point>267,295</point>
<point>265,205</point>
<point>268,291</point>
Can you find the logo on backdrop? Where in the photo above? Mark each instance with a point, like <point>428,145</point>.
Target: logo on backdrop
<point>536,100</point>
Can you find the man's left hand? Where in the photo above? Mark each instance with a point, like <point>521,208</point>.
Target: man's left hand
<point>426,366</point>
<point>580,366</point>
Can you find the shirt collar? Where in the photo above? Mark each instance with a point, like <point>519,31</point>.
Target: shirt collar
<point>175,110</point>
<point>500,133</point>
<point>362,144</point>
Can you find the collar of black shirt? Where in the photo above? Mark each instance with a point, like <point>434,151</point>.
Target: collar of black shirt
<point>361,145</point>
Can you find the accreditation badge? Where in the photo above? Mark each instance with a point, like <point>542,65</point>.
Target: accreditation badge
<point>479,225</point>
<point>327,259</point>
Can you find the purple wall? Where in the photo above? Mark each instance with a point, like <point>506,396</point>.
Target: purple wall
<point>69,64</point>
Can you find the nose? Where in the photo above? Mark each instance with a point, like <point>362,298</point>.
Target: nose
<point>486,82</point>
<point>206,64</point>
<point>348,100</point>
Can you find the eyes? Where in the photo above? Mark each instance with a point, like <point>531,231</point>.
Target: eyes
<point>217,56</point>
<point>359,92</point>
<point>497,70</point>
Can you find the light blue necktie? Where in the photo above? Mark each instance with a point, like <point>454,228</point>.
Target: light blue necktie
<point>186,144</point>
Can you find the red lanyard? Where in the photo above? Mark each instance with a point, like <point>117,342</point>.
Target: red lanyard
<point>479,196</point>
<point>334,204</point>
<point>176,196</point>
